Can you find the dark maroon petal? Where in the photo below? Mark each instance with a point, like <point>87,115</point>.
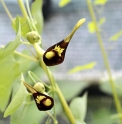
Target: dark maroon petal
<point>58,56</point>
<point>40,104</point>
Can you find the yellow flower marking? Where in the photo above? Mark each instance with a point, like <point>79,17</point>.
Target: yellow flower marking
<point>39,98</point>
<point>50,54</point>
<point>58,49</point>
<point>47,102</point>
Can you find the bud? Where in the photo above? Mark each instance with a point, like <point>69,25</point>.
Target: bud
<point>39,87</point>
<point>33,37</point>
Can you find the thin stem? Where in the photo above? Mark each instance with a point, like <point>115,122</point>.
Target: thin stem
<point>22,7</point>
<point>31,74</point>
<point>65,105</point>
<point>7,11</point>
<point>25,56</point>
<point>52,117</point>
<point>28,9</point>
<point>26,43</point>
<point>29,12</point>
<point>47,71</point>
<point>38,49</point>
<point>105,58</point>
<point>59,93</point>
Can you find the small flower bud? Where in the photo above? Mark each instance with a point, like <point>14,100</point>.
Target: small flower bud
<point>33,37</point>
<point>39,87</point>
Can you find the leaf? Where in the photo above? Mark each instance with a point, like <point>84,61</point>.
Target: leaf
<point>102,115</point>
<point>80,121</point>
<point>16,117</point>
<point>91,27</point>
<point>63,3</point>
<point>101,21</point>
<point>116,36</point>
<point>7,77</point>
<point>100,2</point>
<point>27,114</point>
<point>18,26</point>
<point>10,68</point>
<point>36,9</point>
<point>24,25</point>
<point>105,85</point>
<point>11,46</point>
<point>71,88</point>
<point>78,107</point>
<point>82,67</point>
<point>17,100</point>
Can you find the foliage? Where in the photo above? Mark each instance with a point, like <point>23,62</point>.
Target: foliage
<point>26,66</point>
<point>63,3</point>
<point>21,109</point>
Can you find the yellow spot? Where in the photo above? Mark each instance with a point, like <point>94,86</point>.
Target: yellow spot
<point>58,49</point>
<point>39,98</point>
<point>49,55</point>
<point>47,102</point>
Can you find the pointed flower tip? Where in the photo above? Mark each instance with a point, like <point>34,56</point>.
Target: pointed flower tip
<point>80,22</point>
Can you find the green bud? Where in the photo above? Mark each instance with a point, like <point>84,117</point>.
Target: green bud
<point>39,87</point>
<point>33,37</point>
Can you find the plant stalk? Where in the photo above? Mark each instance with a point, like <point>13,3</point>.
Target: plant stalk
<point>22,8</point>
<point>7,11</point>
<point>55,86</point>
<point>105,58</point>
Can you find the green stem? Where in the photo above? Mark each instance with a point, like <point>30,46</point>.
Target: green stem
<point>59,93</point>
<point>29,13</point>
<point>65,105</point>
<point>52,117</point>
<point>25,56</point>
<point>22,7</point>
<point>32,76</point>
<point>105,58</point>
<point>7,11</point>
<point>55,86</point>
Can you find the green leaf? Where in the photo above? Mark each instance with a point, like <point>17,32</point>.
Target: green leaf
<point>105,85</point>
<point>91,27</point>
<point>100,2</point>
<point>24,25</point>
<point>7,76</point>
<point>10,68</point>
<point>102,115</point>
<point>11,46</point>
<point>82,67</point>
<point>78,107</point>
<point>63,3</point>
<point>71,88</point>
<point>80,121</point>
<point>116,36</point>
<point>101,21</point>
<point>18,26</point>
<point>27,114</point>
<point>17,100</point>
<point>36,9</point>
